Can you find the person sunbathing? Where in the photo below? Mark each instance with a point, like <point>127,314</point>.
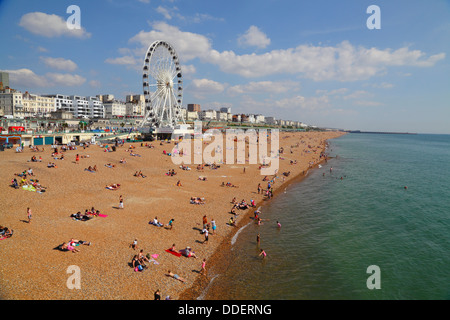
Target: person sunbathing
<point>179,183</point>
<point>175,276</point>
<point>66,247</point>
<point>109,165</point>
<point>113,186</point>
<point>202,178</point>
<point>123,160</point>
<point>197,200</point>
<point>91,169</point>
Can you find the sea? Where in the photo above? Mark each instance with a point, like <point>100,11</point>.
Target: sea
<point>373,223</point>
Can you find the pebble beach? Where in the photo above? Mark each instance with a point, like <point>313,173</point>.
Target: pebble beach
<point>32,267</point>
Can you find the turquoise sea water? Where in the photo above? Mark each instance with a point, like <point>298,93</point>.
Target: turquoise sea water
<point>333,230</point>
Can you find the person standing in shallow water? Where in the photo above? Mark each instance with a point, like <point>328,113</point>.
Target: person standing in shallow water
<point>263,254</point>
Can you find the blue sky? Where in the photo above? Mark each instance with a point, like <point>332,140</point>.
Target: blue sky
<point>312,61</point>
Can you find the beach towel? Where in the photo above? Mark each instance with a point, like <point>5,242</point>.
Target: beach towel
<point>29,188</point>
<point>174,252</point>
<point>102,215</point>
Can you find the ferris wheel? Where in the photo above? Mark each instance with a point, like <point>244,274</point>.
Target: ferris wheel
<point>163,86</point>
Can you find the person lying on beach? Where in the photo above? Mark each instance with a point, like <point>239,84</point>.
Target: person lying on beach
<point>123,160</point>
<point>5,232</point>
<point>139,174</point>
<point>75,242</point>
<point>175,276</point>
<point>171,173</point>
<point>201,178</point>
<point>229,184</point>
<point>156,223</point>
<point>243,205</point>
<point>67,247</point>
<point>79,216</point>
<point>91,169</point>
<point>38,186</point>
<point>134,154</point>
<point>200,167</point>
<point>185,167</point>
<point>51,165</point>
<point>113,186</point>
<point>197,200</point>
<point>110,165</point>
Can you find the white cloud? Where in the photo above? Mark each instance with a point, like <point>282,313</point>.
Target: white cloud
<point>50,25</point>
<point>264,87</point>
<point>343,62</point>
<point>188,45</point>
<point>165,12</point>
<point>25,78</point>
<point>125,60</point>
<point>65,79</point>
<point>59,63</point>
<point>254,37</point>
<point>188,70</point>
<point>28,79</point>
<point>202,87</point>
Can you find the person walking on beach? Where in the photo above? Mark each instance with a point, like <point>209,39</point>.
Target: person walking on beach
<point>258,239</point>
<point>120,202</point>
<point>206,233</point>
<point>213,226</point>
<point>203,269</point>
<point>29,215</point>
<point>77,159</point>
<point>170,225</point>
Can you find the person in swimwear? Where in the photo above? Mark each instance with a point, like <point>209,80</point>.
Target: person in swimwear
<point>175,276</point>
<point>262,253</point>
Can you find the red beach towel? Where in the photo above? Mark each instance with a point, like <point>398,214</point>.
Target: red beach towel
<point>174,252</point>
